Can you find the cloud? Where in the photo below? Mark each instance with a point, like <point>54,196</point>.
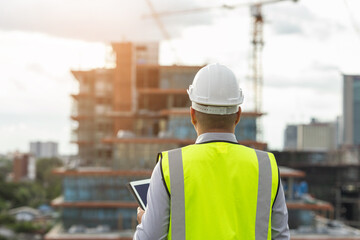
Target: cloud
<point>19,85</point>
<point>323,67</point>
<point>297,105</point>
<point>21,128</point>
<point>304,46</point>
<point>321,81</point>
<point>281,27</point>
<point>299,19</point>
<point>96,20</point>
<point>287,18</point>
<point>35,67</point>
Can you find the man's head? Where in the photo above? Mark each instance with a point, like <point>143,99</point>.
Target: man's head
<point>216,97</point>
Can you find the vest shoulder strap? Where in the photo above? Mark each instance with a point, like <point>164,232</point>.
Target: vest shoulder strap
<point>264,196</point>
<point>177,198</point>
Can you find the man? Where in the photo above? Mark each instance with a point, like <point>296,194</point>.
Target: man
<point>215,188</point>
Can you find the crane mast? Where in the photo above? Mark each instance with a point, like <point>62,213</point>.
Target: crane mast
<point>256,56</point>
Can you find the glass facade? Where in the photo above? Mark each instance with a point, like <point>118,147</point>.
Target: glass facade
<point>181,127</point>
<point>115,218</point>
<point>356,109</point>
<point>246,129</point>
<point>290,138</point>
<point>351,110</point>
<point>94,189</point>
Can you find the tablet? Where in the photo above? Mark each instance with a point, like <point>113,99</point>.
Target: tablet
<point>139,189</point>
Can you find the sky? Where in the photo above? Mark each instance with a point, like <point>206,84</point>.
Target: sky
<point>308,45</point>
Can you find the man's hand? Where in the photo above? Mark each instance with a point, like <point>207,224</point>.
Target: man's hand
<point>140,212</point>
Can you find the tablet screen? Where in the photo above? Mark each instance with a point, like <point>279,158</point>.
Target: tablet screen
<point>139,189</point>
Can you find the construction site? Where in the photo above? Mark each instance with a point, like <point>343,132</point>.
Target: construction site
<point>124,116</point>
<point>130,112</point>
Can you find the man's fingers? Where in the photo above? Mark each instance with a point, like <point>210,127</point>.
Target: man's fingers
<point>140,212</point>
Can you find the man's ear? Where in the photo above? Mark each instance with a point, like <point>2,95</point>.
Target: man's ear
<point>238,115</point>
<point>193,116</point>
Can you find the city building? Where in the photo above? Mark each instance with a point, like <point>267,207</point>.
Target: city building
<point>351,110</point>
<point>332,164</point>
<point>44,149</point>
<point>24,167</point>
<point>339,131</point>
<point>333,176</point>
<point>315,136</point>
<point>290,137</point>
<point>95,196</point>
<point>96,204</point>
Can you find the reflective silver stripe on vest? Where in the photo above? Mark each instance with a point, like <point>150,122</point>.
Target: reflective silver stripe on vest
<point>177,194</point>
<point>264,196</point>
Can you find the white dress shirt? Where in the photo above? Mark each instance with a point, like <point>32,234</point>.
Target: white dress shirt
<point>155,221</point>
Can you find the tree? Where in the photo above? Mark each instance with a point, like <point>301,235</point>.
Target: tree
<point>44,166</point>
<point>21,194</point>
<point>45,177</point>
<point>5,168</point>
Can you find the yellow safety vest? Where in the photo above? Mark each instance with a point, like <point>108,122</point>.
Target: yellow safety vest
<point>220,190</point>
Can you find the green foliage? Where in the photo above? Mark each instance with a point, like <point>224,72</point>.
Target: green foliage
<point>44,166</point>
<point>4,205</point>
<point>45,177</point>
<point>6,219</point>
<point>29,227</point>
<point>43,190</point>
<point>26,227</point>
<point>23,226</point>
<point>33,194</point>
<point>21,194</point>
<point>7,194</point>
<point>5,168</point>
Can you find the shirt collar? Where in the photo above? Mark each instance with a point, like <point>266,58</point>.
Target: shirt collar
<point>208,137</point>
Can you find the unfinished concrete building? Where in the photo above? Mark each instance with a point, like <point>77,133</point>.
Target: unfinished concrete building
<point>127,114</point>
<point>124,117</point>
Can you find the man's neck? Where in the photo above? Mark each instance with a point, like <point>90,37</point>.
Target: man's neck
<point>200,131</point>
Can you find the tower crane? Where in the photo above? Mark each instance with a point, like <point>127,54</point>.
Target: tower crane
<point>257,39</point>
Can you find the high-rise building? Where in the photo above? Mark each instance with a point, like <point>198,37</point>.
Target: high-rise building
<point>315,136</point>
<point>137,98</point>
<point>124,117</point>
<point>290,137</point>
<point>44,149</point>
<point>351,110</point>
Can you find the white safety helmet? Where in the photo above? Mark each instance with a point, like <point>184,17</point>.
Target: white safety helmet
<point>215,90</point>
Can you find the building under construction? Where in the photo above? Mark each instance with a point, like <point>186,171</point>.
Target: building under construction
<point>334,177</point>
<point>124,117</point>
